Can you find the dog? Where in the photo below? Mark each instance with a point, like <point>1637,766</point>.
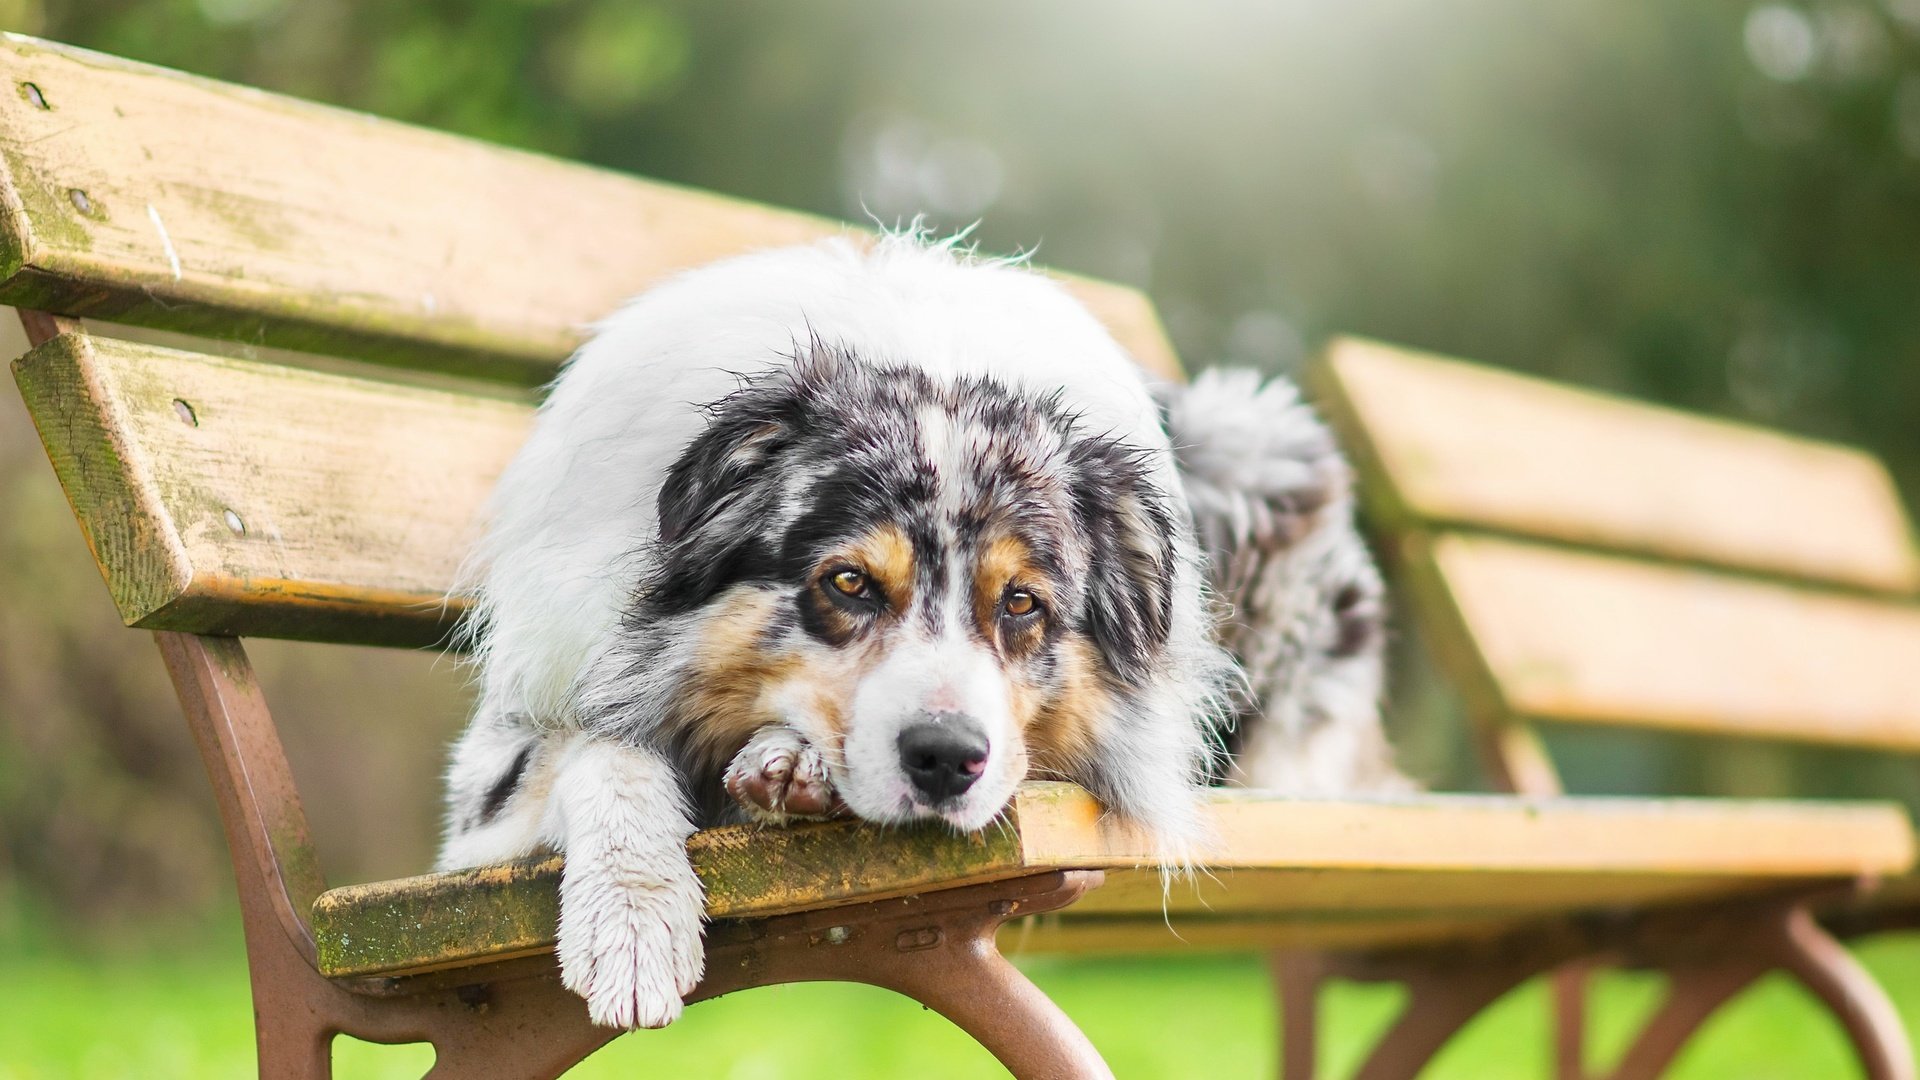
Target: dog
<point>876,530</point>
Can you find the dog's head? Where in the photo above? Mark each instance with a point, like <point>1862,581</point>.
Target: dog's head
<point>945,586</point>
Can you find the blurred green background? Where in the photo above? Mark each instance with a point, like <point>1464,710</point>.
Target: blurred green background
<point>1714,204</point>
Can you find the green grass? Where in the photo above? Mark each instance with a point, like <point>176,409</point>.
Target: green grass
<point>179,1009</point>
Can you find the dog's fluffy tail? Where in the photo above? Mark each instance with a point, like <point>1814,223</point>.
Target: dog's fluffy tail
<point>1301,601</point>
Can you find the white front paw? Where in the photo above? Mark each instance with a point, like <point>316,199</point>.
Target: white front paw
<point>630,947</point>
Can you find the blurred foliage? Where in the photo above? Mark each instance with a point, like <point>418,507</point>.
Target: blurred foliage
<point>1714,204</point>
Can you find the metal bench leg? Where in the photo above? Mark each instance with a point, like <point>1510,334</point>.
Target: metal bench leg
<point>1693,995</point>
<point>293,1039</point>
<point>1439,1004</point>
<point>1297,978</point>
<point>530,1028</point>
<point>533,1028</point>
<point>273,861</point>
<point>988,998</point>
<point>1825,967</point>
<point>1570,1021</point>
<point>938,949</point>
<point>1783,937</point>
<point>1443,994</point>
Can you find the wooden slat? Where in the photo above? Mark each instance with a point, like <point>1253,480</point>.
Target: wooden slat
<point>1451,443</point>
<point>1061,828</point>
<point>1568,636</point>
<point>226,497</point>
<point>1071,932</point>
<point>1476,890</point>
<point>1126,914</point>
<point>224,211</point>
<point>1483,858</point>
<point>499,912</point>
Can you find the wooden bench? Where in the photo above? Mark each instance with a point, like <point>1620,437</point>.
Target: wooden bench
<point>1573,558</point>
<point>434,279</point>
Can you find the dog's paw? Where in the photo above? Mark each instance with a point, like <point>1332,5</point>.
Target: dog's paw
<point>779,776</point>
<point>631,947</point>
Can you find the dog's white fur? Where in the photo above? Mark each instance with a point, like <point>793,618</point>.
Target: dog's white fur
<point>562,558</point>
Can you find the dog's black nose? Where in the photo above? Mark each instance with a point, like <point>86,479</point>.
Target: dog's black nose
<point>943,754</point>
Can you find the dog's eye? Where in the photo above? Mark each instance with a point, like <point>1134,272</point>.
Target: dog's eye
<point>1020,602</point>
<point>850,583</point>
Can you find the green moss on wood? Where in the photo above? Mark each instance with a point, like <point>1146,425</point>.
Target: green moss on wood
<point>442,345</point>
<point>51,217</point>
<point>101,486</point>
<point>83,392</point>
<point>469,916</point>
<point>440,919</point>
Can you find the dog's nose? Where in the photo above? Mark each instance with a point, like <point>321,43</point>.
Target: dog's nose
<point>943,754</point>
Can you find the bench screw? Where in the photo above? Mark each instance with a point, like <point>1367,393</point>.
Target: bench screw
<point>926,937</point>
<point>832,935</point>
<point>185,412</point>
<point>233,522</point>
<point>32,93</point>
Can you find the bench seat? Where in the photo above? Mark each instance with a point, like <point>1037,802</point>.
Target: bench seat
<point>1313,873</point>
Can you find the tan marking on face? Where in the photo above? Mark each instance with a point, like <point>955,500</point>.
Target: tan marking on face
<point>741,684</point>
<point>1004,561</point>
<point>725,700</point>
<point>886,557</point>
<point>1062,723</point>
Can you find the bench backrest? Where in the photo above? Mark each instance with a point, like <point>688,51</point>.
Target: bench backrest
<point>1574,557</point>
<point>237,497</point>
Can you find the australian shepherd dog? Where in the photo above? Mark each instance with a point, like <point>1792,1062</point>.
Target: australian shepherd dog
<point>884,531</point>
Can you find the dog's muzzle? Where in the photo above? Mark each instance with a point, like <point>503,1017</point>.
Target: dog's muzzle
<point>943,753</point>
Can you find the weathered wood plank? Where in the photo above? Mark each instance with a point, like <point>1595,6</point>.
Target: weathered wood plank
<point>1062,828</point>
<point>1473,857</point>
<point>155,198</point>
<point>1442,442</point>
<point>498,912</point>
<point>1474,890</point>
<point>1395,910</point>
<point>1074,932</point>
<point>225,497</point>
<point>1566,636</point>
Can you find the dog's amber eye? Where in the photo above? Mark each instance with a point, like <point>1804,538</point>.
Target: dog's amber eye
<point>1020,603</point>
<point>850,583</point>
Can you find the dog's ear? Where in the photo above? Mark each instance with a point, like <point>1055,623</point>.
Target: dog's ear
<point>715,476</point>
<point>722,490</point>
<point>1128,609</point>
<point>724,469</point>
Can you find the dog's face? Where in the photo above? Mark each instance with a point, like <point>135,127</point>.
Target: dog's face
<point>946,587</point>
